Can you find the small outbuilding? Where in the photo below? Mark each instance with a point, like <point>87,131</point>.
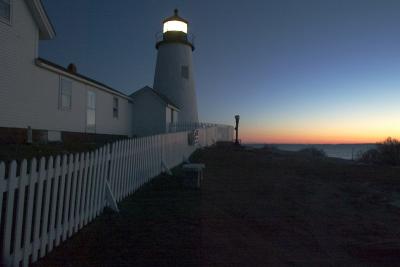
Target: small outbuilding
<point>152,112</point>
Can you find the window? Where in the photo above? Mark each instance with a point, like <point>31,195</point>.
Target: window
<point>172,115</point>
<point>115,107</point>
<point>185,72</point>
<point>91,112</point>
<point>65,101</point>
<point>5,10</point>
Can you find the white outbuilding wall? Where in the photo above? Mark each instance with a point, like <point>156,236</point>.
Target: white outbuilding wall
<point>150,115</point>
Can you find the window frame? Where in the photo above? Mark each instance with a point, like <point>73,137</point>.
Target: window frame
<point>60,94</point>
<point>115,108</point>
<point>90,128</point>
<point>185,72</point>
<point>9,21</point>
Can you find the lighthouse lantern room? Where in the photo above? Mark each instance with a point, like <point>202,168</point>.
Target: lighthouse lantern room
<point>175,24</point>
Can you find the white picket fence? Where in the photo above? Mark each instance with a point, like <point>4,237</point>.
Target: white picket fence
<point>51,199</point>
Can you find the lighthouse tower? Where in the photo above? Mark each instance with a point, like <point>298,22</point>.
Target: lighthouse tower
<point>174,68</point>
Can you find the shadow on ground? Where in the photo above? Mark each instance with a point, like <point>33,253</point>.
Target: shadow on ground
<point>255,208</point>
<point>158,226</point>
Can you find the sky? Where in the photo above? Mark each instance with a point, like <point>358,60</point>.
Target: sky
<point>310,71</point>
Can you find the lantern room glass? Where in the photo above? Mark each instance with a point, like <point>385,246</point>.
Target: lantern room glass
<point>175,25</point>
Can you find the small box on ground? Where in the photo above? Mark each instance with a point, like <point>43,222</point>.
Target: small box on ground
<point>193,175</point>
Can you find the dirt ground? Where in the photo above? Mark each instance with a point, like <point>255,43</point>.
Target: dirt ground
<point>255,208</point>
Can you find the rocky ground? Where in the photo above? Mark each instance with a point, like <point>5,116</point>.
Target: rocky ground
<point>256,207</point>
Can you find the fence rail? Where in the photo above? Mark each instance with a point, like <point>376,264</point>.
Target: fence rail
<point>190,126</point>
<point>46,201</point>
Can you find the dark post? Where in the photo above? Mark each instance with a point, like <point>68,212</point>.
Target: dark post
<point>237,117</point>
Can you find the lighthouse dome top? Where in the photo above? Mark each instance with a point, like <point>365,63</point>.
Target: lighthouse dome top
<point>175,24</point>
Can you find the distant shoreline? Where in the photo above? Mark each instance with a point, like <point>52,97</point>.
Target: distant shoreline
<point>343,151</point>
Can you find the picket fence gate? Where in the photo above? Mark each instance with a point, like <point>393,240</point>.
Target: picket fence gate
<point>46,201</point>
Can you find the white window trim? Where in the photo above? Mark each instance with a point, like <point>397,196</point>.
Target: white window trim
<point>60,106</point>
<point>5,21</point>
<point>91,129</point>
<point>115,117</point>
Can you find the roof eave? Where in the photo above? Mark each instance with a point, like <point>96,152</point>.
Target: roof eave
<point>78,77</point>
<point>46,29</point>
<point>173,107</point>
<point>152,91</point>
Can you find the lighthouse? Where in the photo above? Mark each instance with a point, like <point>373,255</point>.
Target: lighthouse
<point>174,74</point>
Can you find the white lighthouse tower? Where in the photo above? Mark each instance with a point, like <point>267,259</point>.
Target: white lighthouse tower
<point>174,68</point>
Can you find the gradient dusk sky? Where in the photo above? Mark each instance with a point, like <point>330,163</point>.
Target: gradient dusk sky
<point>309,71</point>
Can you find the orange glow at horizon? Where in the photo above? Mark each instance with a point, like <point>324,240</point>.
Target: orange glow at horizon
<point>318,136</point>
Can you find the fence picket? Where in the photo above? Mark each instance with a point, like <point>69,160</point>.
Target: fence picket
<point>153,157</point>
<point>124,169</point>
<point>112,174</point>
<point>88,157</point>
<point>38,209</point>
<point>29,216</point>
<point>46,207</point>
<point>139,162</point>
<point>148,159</point>
<point>129,170</point>
<point>71,220</point>
<point>53,203</point>
<point>12,184</point>
<point>3,186</point>
<point>61,198</point>
<point>118,171</point>
<point>97,183</point>
<point>89,187</point>
<point>105,176</point>
<point>20,212</point>
<point>67,198</point>
<point>135,164</point>
<point>126,166</point>
<point>77,214</point>
<point>92,188</point>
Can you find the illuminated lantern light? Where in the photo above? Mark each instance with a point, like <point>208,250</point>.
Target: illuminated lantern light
<point>176,26</point>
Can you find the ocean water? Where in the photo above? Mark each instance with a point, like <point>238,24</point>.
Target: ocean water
<point>343,151</point>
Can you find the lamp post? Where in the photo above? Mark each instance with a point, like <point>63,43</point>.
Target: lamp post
<point>237,118</point>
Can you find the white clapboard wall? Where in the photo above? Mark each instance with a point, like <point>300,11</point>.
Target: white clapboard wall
<point>46,201</point>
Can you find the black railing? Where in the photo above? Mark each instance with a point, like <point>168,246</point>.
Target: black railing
<point>190,38</point>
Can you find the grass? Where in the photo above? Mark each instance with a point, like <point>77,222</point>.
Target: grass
<point>9,152</point>
<point>256,207</point>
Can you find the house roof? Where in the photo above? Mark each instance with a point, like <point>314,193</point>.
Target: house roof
<point>159,95</point>
<point>46,29</point>
<point>57,68</point>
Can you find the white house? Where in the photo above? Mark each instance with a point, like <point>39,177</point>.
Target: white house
<point>51,100</point>
<point>59,103</point>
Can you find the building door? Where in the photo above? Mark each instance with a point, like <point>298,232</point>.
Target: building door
<point>91,112</point>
